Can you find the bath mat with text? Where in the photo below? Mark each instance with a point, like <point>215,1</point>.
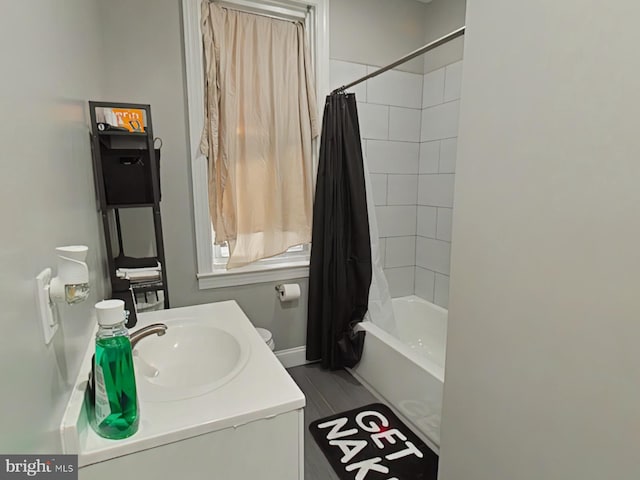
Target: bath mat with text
<point>371,443</point>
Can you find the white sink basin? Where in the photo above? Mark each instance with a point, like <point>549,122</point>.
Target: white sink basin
<point>190,359</point>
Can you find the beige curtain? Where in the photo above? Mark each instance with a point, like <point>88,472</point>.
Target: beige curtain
<point>260,119</point>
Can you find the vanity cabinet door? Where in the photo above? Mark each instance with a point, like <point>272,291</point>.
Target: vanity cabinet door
<point>268,449</point>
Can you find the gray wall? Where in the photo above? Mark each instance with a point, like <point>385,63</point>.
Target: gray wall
<point>51,67</point>
<point>377,32</point>
<point>440,99</point>
<point>542,354</point>
<point>442,17</point>
<point>152,72</point>
<point>415,251</point>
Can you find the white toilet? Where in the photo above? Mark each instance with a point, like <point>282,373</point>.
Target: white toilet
<point>267,337</point>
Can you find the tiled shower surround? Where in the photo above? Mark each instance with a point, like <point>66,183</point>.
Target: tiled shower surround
<point>409,128</point>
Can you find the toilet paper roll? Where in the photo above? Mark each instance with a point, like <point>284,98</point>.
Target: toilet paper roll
<point>289,291</point>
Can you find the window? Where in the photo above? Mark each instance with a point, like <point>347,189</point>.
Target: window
<point>210,258</point>
<point>297,253</point>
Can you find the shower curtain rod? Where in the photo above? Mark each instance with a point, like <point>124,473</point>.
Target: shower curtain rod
<point>429,46</point>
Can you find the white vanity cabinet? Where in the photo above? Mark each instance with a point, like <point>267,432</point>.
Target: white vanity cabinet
<point>267,449</point>
<point>250,427</point>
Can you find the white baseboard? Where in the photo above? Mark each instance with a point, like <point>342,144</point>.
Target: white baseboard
<point>292,357</point>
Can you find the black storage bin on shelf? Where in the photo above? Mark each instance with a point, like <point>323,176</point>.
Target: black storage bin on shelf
<point>127,176</point>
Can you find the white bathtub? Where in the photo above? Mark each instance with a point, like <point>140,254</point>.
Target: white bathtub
<point>407,372</point>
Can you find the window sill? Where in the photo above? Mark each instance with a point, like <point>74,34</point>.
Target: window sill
<point>253,274</point>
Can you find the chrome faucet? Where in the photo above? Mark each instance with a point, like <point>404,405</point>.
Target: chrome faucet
<point>155,328</point>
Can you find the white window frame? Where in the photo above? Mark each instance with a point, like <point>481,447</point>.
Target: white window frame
<point>209,275</point>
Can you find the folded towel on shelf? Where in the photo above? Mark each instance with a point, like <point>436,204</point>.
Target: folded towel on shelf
<point>156,268</point>
<point>139,276</point>
<point>122,261</point>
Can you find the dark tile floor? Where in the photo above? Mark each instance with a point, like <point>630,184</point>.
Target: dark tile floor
<point>327,393</point>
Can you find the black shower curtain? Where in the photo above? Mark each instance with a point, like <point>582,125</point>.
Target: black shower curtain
<point>340,266</point>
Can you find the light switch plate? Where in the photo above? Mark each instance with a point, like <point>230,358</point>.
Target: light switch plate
<point>49,324</point>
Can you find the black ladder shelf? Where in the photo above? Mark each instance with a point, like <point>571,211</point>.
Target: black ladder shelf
<point>127,175</point>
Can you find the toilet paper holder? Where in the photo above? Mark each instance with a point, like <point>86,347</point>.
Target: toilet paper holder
<point>288,292</point>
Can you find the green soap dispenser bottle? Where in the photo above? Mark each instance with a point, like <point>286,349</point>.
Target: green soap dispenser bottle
<point>115,413</point>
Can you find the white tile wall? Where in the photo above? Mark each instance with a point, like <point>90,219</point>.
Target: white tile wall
<point>393,157</point>
<point>379,187</point>
<point>438,151</point>
<point>425,283</point>
<point>341,73</point>
<point>436,190</point>
<point>433,255</point>
<point>433,88</point>
<point>427,221</point>
<point>401,252</point>
<point>409,125</point>
<point>396,88</point>
<point>440,121</point>
<point>374,121</point>
<point>402,189</point>
<point>383,251</point>
<point>429,157</point>
<point>441,291</point>
<point>448,153</point>
<point>443,229</point>
<point>404,124</point>
<point>400,280</point>
<point>452,81</point>
<point>396,221</point>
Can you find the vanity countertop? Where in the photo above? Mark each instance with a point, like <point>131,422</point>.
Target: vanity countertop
<point>262,389</point>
